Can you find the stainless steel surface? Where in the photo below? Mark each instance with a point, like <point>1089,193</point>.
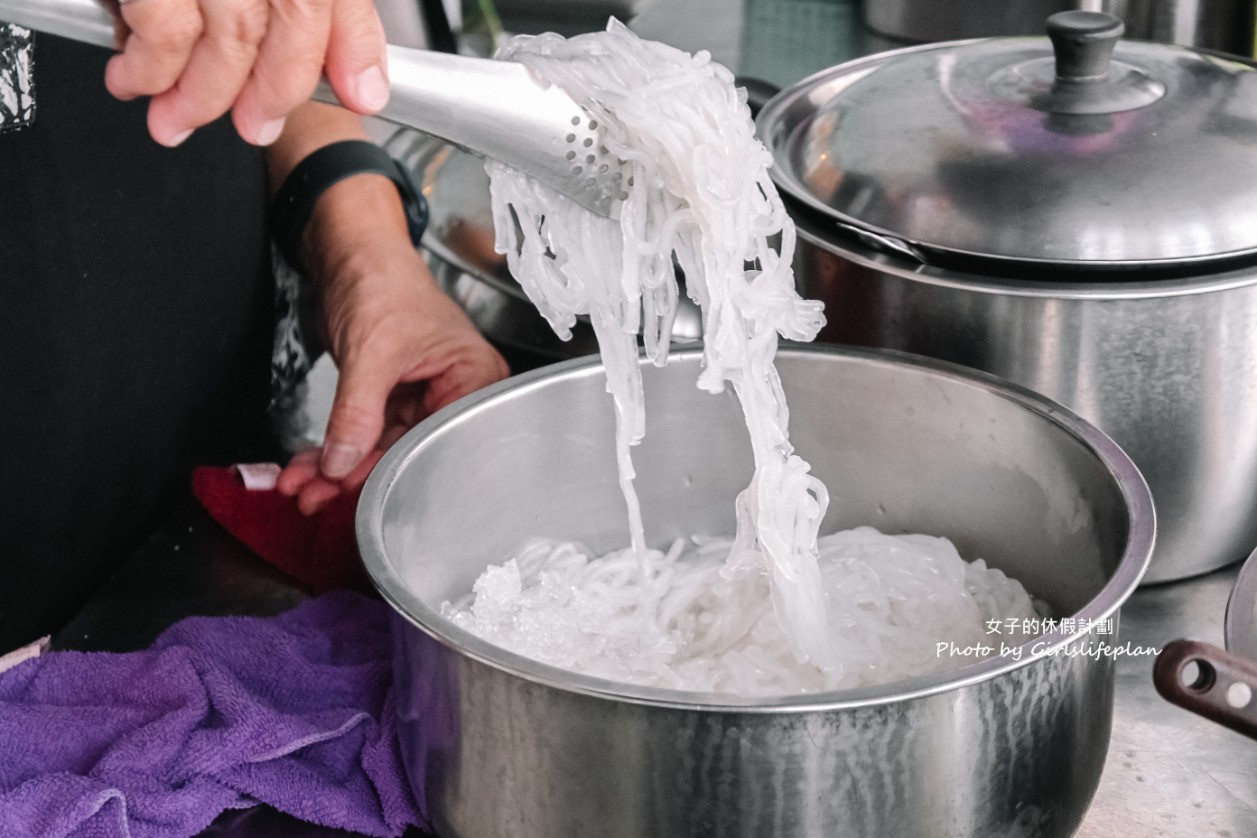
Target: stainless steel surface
<point>499,109</point>
<point>1208,680</point>
<point>460,246</point>
<point>962,148</point>
<point>1241,612</point>
<point>902,444</point>
<point>79,20</point>
<point>1219,684</point>
<point>1167,368</point>
<point>1225,25</point>
<point>1171,773</point>
<point>1168,774</point>
<point>567,17</point>
<point>919,21</point>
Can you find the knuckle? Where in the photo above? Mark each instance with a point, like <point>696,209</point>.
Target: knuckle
<point>353,417</point>
<point>309,7</point>
<point>249,22</point>
<point>178,31</point>
<point>302,13</point>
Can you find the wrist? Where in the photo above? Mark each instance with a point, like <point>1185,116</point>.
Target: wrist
<point>360,214</point>
<point>339,193</point>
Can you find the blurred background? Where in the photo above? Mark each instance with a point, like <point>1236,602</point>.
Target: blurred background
<point>783,40</point>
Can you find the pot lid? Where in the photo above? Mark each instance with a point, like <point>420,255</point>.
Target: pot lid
<point>1073,149</point>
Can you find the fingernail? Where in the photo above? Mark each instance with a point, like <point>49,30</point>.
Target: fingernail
<point>177,139</point>
<point>372,87</point>
<point>339,460</point>
<point>270,132</point>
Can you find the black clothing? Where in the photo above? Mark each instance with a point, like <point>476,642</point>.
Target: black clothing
<point>136,323</point>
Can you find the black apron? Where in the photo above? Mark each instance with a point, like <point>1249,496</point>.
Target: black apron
<point>136,319</point>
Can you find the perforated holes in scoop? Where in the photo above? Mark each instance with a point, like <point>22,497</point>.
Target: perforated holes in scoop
<point>595,172</point>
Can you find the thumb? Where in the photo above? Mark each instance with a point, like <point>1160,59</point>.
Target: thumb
<point>357,417</point>
<point>357,62</point>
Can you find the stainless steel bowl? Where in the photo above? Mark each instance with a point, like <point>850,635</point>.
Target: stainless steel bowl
<point>498,745</point>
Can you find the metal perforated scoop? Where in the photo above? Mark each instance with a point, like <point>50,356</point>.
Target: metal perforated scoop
<point>497,109</point>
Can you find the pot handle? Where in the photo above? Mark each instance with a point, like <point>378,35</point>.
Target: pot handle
<point>1224,688</point>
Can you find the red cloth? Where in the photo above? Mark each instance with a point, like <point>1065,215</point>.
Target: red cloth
<point>319,550</point>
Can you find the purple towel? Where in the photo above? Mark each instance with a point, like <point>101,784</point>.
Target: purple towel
<point>221,713</point>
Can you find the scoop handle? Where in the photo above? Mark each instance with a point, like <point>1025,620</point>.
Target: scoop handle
<point>1224,689</point>
<point>87,21</point>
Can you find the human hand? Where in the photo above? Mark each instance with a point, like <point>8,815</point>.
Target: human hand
<point>404,350</point>
<point>259,59</point>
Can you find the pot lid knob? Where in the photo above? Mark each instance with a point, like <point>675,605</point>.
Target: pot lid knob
<point>1083,43</point>
<point>1083,78</point>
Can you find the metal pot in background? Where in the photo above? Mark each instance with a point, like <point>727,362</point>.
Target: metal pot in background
<point>496,744</point>
<point>1225,25</point>
<point>567,17</point>
<point>921,21</point>
<point>458,245</point>
<point>1168,368</point>
<point>1087,230</point>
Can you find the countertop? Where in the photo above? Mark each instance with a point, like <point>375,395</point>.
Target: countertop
<point>1169,772</point>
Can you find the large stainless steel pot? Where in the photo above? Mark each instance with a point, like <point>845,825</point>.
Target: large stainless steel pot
<point>1225,25</point>
<point>967,202</point>
<point>497,745</point>
<point>1168,368</point>
<point>918,21</point>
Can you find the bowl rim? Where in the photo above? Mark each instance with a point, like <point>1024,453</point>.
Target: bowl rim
<point>1104,606</point>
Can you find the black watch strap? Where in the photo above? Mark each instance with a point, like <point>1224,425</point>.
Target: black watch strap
<point>294,203</point>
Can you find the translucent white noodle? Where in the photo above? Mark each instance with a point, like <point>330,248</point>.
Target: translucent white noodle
<point>891,599</point>
<point>697,190</point>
